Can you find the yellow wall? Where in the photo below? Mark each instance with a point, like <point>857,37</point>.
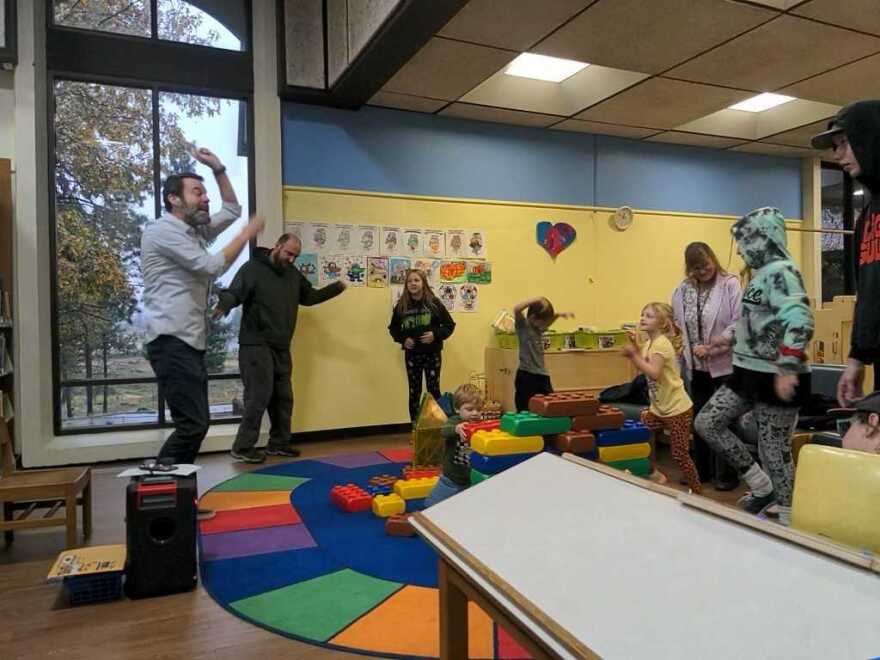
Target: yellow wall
<point>347,370</point>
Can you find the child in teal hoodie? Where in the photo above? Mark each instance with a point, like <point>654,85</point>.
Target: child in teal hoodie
<point>771,375</point>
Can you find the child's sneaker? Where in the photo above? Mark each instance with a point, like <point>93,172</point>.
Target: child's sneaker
<point>251,455</point>
<point>752,503</point>
<point>289,452</point>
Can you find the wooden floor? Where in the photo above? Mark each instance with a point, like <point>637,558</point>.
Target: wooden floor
<point>37,623</point>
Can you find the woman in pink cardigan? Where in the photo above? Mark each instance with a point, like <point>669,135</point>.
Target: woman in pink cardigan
<point>706,304</point>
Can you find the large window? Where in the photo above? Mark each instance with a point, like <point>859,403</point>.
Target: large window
<point>842,201</point>
<point>114,142</point>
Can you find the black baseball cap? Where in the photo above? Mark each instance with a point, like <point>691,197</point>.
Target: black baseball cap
<point>870,404</point>
<point>824,140</point>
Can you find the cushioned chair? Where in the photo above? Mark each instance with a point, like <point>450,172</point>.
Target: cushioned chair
<point>835,495</point>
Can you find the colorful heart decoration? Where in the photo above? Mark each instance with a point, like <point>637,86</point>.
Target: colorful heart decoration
<point>555,238</point>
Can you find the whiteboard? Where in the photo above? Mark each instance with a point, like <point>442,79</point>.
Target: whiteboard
<point>635,574</point>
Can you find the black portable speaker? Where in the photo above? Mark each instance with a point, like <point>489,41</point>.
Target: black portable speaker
<point>160,517</point>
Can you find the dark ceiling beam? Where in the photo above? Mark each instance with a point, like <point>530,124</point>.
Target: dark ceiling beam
<point>409,28</point>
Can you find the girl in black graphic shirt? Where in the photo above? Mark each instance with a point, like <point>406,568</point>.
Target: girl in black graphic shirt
<point>420,323</point>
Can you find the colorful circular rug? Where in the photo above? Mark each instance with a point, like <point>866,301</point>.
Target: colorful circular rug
<point>280,555</point>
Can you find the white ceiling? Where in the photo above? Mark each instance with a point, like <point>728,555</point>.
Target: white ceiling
<point>661,70</point>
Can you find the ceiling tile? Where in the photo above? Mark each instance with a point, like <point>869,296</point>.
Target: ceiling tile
<point>849,83</point>
<point>583,89</point>
<point>598,128</point>
<point>406,102</point>
<point>693,139</point>
<point>778,53</point>
<point>513,24</point>
<point>799,137</point>
<point>861,15</point>
<point>777,4</point>
<point>445,69</point>
<point>768,149</point>
<point>498,115</point>
<point>663,103</point>
<point>650,36</point>
<point>759,125</point>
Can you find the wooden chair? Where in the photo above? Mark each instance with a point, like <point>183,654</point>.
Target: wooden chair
<point>22,492</point>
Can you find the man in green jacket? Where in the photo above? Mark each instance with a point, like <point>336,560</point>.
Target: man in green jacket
<point>271,289</point>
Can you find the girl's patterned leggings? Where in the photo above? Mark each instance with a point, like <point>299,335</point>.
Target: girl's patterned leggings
<point>679,429</point>
<point>416,364</point>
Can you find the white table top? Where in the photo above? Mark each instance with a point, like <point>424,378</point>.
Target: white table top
<point>635,574</point>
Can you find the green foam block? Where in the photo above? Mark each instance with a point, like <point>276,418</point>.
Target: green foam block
<point>477,476</point>
<point>641,467</point>
<point>528,423</point>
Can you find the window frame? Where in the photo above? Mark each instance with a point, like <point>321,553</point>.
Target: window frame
<point>849,222</point>
<point>170,79</point>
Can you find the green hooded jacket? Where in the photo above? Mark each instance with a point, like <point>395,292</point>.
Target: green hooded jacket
<point>776,321</point>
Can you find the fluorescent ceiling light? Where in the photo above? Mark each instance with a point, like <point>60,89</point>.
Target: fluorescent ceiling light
<point>543,67</point>
<point>761,102</point>
<point>858,193</point>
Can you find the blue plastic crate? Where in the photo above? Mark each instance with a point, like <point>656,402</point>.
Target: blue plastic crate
<point>631,433</point>
<point>96,588</point>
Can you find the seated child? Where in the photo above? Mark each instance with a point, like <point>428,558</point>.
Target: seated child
<point>531,376</point>
<point>468,403</point>
<point>864,430</point>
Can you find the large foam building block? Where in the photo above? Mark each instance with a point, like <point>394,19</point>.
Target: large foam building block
<point>630,433</point>
<point>350,498</point>
<point>384,479</point>
<point>528,423</point>
<point>500,443</point>
<point>388,505</point>
<point>415,489</point>
<point>564,404</point>
<point>420,472</point>
<point>487,425</point>
<point>496,464</point>
<point>641,467</point>
<point>477,476</point>
<point>836,495</point>
<point>607,418</point>
<point>399,525</point>
<point>624,452</point>
<point>575,442</point>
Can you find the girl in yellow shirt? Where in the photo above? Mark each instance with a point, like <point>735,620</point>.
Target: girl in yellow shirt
<point>655,354</point>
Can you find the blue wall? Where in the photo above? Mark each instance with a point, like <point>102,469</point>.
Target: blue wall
<point>412,153</point>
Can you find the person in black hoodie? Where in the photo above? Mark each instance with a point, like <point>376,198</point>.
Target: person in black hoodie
<point>854,137</point>
<point>420,323</point>
<point>271,289</point>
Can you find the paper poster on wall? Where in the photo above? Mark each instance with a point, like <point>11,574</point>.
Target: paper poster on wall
<point>431,269</point>
<point>396,292</point>
<point>412,243</point>
<point>455,243</point>
<point>434,243</point>
<point>308,266</point>
<point>355,270</point>
<point>397,267</point>
<point>468,295</point>
<point>476,244</point>
<point>377,272</point>
<point>294,229</point>
<point>453,271</point>
<point>366,240</point>
<point>342,240</point>
<point>330,268</point>
<point>479,272</point>
<point>391,242</point>
<point>448,293</point>
<point>315,237</point>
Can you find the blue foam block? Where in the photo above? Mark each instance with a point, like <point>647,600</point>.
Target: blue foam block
<point>496,464</point>
<point>632,432</point>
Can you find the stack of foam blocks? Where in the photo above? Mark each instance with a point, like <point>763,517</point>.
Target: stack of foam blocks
<point>387,495</point>
<point>497,445</point>
<point>598,432</point>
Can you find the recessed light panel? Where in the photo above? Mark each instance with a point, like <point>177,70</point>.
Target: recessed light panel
<point>543,67</point>
<point>761,102</point>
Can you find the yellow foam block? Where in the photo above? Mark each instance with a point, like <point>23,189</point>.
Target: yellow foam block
<point>414,489</point>
<point>500,443</point>
<point>388,505</point>
<point>624,452</point>
<point>836,492</point>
